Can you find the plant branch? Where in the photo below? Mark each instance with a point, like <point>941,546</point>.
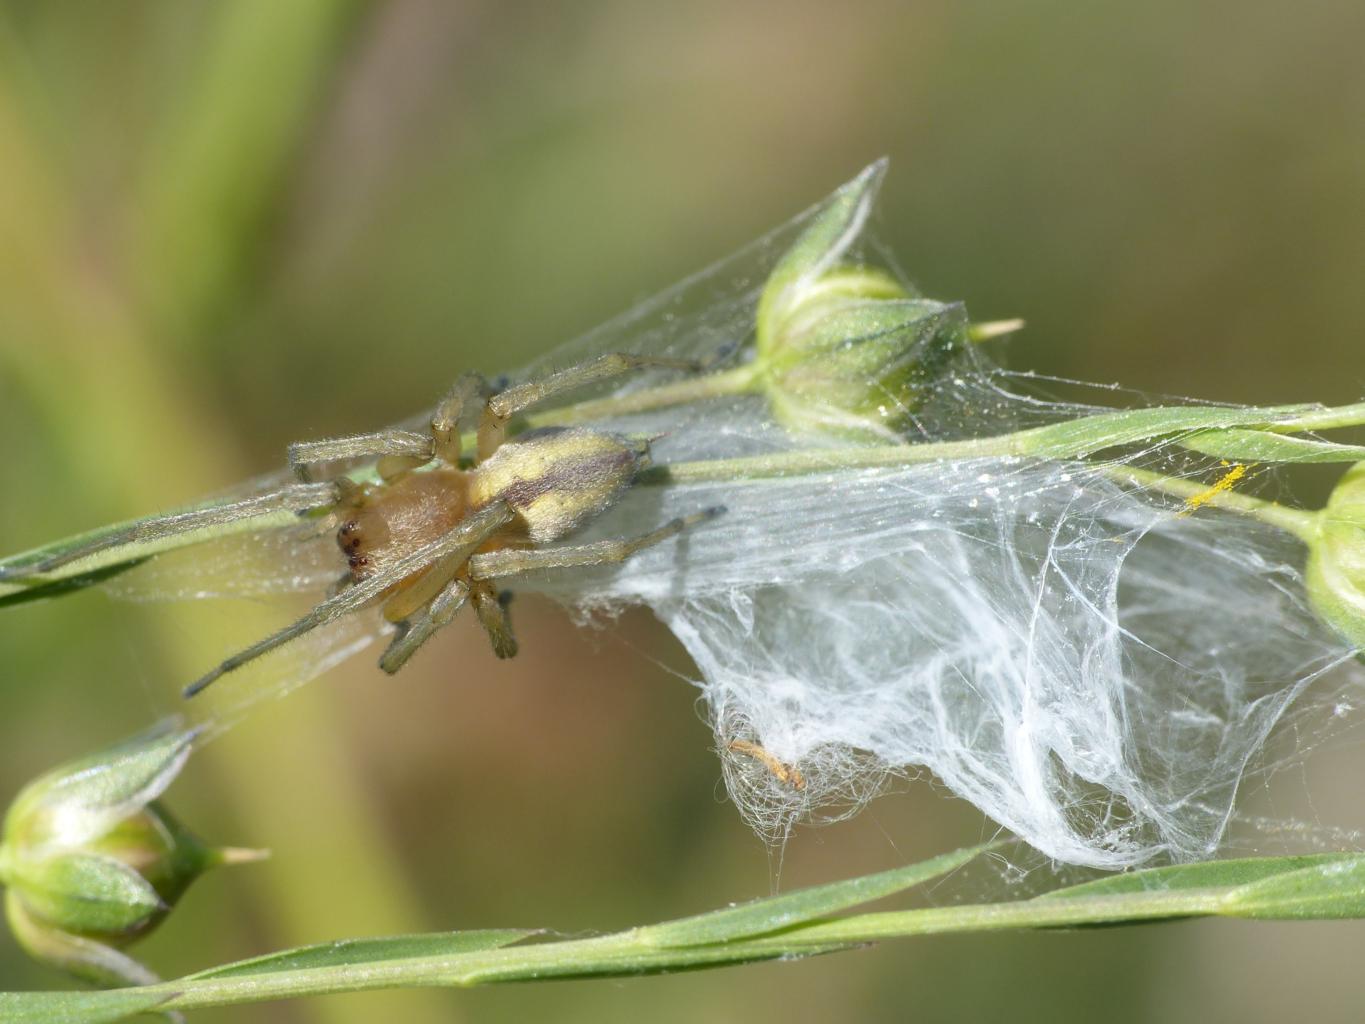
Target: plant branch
<point>1298,522</point>
<point>712,385</point>
<point>791,926</point>
<point>1071,439</point>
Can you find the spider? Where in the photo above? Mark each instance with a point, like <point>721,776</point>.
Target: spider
<point>431,535</point>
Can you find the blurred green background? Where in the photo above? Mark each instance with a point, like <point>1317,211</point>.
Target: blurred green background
<point>227,226</point>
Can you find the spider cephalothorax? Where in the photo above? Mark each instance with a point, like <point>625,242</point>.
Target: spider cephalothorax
<point>382,523</point>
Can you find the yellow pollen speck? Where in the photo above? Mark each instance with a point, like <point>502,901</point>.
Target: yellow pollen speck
<point>1224,483</point>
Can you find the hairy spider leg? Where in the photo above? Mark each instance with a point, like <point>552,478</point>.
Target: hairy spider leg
<point>295,498</point>
<point>500,408</point>
<point>491,608</point>
<point>460,541</point>
<point>469,392</point>
<point>514,562</point>
<point>398,450</point>
<point>392,443</point>
<point>420,592</point>
<point>438,614</point>
<point>403,450</point>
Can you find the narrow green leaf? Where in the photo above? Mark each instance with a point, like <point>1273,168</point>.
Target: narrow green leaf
<point>1091,434</point>
<point>1328,889</point>
<point>357,952</point>
<point>1262,446</point>
<point>121,554</point>
<point>1214,874</point>
<point>39,590</point>
<point>769,915</point>
<point>797,925</point>
<point>637,961</point>
<point>78,1007</point>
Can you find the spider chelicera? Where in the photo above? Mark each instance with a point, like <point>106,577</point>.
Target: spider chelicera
<point>431,536</point>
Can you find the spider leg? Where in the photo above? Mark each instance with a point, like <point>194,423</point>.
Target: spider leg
<point>469,390</point>
<point>511,562</point>
<point>398,450</point>
<point>460,541</point>
<point>296,498</point>
<point>507,403</point>
<point>392,444</point>
<point>491,608</point>
<point>439,613</point>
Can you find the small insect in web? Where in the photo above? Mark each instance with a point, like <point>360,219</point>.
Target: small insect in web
<point>435,532</point>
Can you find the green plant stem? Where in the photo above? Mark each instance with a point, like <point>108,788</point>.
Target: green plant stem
<point>738,381</point>
<point>1037,913</point>
<point>1300,523</point>
<point>1335,418</point>
<point>790,926</point>
<point>1072,439</point>
<point>625,954</point>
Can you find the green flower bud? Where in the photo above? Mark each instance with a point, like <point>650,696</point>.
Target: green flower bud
<point>1336,558</point>
<point>848,349</point>
<point>853,354</point>
<point>94,861</point>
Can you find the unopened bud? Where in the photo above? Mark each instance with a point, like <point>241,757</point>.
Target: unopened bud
<point>94,861</point>
<point>848,349</point>
<point>853,354</point>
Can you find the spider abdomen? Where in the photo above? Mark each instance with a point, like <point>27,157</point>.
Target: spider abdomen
<point>557,479</point>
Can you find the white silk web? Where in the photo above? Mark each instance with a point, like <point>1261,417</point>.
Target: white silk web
<point>1091,663</point>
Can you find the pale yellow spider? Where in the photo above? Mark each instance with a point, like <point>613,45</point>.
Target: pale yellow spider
<point>431,536</point>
